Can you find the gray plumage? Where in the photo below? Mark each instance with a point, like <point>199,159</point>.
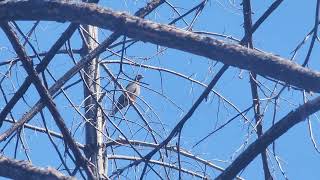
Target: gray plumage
<point>133,90</point>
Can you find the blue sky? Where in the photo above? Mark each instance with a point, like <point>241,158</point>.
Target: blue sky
<point>279,34</point>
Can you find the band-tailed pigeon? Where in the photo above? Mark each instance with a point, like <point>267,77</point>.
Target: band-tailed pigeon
<point>133,90</point>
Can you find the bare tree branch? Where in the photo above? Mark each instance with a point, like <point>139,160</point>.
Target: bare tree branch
<point>180,124</point>
<point>261,63</point>
<point>248,42</point>
<point>134,29</point>
<point>282,126</point>
<point>68,75</point>
<point>164,164</point>
<point>24,170</point>
<point>40,68</point>
<point>45,95</point>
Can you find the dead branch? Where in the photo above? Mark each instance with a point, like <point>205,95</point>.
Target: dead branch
<point>278,129</point>
<point>262,63</point>
<point>14,169</point>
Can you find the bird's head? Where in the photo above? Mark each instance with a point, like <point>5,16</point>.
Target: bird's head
<point>138,77</point>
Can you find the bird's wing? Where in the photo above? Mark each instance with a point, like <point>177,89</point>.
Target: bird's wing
<point>133,90</point>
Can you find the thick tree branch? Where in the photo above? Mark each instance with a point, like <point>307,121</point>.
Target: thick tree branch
<point>14,169</point>
<point>257,147</point>
<point>261,63</point>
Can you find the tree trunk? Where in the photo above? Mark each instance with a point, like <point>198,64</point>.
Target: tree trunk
<point>93,114</point>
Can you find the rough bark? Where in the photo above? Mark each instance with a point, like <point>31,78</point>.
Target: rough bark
<point>14,169</point>
<point>262,63</point>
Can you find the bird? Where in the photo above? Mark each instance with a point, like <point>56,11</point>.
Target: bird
<point>132,91</point>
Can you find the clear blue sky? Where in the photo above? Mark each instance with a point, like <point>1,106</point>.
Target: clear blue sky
<point>280,34</point>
